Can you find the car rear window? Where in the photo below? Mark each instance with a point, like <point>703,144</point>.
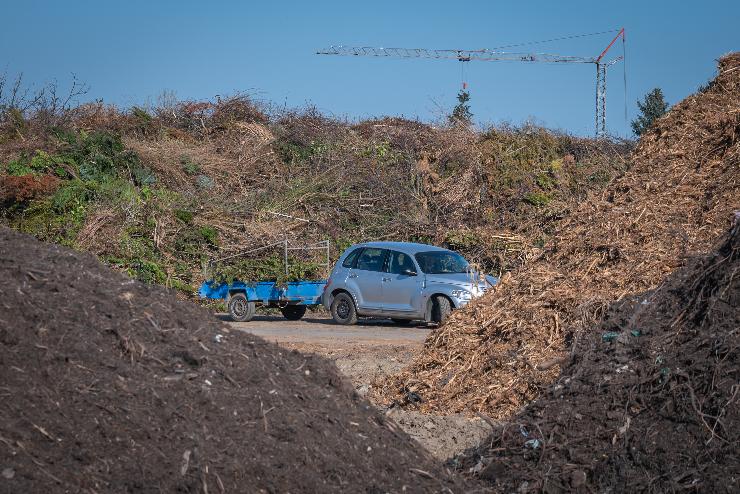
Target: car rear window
<point>349,261</point>
<point>371,259</point>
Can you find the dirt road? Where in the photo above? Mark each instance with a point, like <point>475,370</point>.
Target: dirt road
<point>364,352</point>
<point>322,330</point>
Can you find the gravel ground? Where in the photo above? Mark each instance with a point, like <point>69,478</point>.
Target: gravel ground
<point>365,352</point>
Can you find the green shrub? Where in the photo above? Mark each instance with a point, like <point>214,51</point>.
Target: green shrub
<point>271,268</point>
<point>184,216</point>
<point>292,152</point>
<point>545,181</point>
<point>148,272</point>
<point>537,199</point>
<point>188,166</point>
<point>19,167</point>
<point>66,136</point>
<point>181,286</point>
<point>209,234</point>
<point>52,224</point>
<point>462,239</point>
<point>73,195</point>
<point>41,162</point>
<point>141,114</point>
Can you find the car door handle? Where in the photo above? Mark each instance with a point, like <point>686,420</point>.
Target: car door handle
<point>353,275</point>
<point>386,279</point>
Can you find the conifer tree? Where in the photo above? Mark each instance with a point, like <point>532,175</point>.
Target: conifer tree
<point>651,107</point>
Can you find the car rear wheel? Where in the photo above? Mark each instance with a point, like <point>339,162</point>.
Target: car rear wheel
<point>343,309</point>
<point>293,312</point>
<point>441,309</point>
<point>240,309</point>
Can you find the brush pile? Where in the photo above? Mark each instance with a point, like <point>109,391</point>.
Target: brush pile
<point>157,192</point>
<point>650,403</point>
<point>111,385</point>
<point>684,182</point>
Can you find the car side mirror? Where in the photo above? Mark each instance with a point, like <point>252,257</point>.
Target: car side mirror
<point>409,272</point>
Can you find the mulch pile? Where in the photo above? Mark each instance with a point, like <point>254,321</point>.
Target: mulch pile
<point>650,403</point>
<point>507,347</point>
<point>109,385</point>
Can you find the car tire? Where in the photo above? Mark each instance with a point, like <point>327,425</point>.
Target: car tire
<point>401,322</point>
<point>241,309</point>
<point>343,309</point>
<point>441,309</point>
<point>293,312</point>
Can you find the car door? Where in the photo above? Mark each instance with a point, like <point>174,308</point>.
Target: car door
<point>366,277</point>
<point>401,284</point>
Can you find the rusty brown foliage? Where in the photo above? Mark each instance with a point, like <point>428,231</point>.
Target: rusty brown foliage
<point>19,189</point>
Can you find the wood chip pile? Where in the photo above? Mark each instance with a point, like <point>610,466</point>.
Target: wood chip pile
<point>498,355</point>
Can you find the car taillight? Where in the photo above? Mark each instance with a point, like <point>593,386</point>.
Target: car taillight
<point>328,282</point>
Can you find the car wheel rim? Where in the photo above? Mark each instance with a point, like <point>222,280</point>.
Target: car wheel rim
<point>343,309</point>
<point>239,308</point>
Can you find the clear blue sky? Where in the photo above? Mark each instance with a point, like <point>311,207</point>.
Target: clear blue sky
<point>129,51</point>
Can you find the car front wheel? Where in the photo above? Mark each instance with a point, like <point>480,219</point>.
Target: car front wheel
<point>441,309</point>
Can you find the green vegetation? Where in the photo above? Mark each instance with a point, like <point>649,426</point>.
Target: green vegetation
<point>189,166</point>
<point>652,107</point>
<point>266,268</point>
<point>461,114</point>
<point>537,199</point>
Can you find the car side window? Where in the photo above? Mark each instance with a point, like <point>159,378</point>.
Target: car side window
<point>371,259</point>
<point>349,261</point>
<point>400,263</point>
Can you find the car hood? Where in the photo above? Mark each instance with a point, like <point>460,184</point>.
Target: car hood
<point>464,280</point>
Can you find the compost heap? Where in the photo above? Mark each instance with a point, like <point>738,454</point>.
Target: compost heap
<point>498,354</point>
<point>110,385</point>
<point>648,404</point>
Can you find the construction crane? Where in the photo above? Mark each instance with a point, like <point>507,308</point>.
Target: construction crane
<point>487,55</point>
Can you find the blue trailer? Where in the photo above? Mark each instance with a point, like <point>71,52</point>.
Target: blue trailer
<point>242,299</point>
<point>292,298</point>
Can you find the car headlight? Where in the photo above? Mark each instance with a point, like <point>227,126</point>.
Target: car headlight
<point>462,294</point>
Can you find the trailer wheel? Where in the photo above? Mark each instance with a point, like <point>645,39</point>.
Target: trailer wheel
<point>240,309</point>
<point>343,309</point>
<point>293,312</point>
<point>441,309</point>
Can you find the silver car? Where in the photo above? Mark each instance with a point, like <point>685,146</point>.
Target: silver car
<point>401,281</point>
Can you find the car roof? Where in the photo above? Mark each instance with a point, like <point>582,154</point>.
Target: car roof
<point>407,247</point>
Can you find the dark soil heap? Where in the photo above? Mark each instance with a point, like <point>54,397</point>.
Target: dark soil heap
<point>684,182</point>
<point>110,385</point>
<point>649,404</point>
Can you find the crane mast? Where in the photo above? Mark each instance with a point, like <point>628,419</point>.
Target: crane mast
<point>486,55</point>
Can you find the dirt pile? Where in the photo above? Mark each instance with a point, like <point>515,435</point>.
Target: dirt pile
<point>648,404</point>
<point>110,385</point>
<point>684,182</point>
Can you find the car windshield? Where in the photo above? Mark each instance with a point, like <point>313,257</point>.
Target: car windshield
<point>440,262</point>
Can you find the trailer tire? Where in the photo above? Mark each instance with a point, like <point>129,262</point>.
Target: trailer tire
<point>343,309</point>
<point>293,312</point>
<point>240,309</point>
<point>441,309</point>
